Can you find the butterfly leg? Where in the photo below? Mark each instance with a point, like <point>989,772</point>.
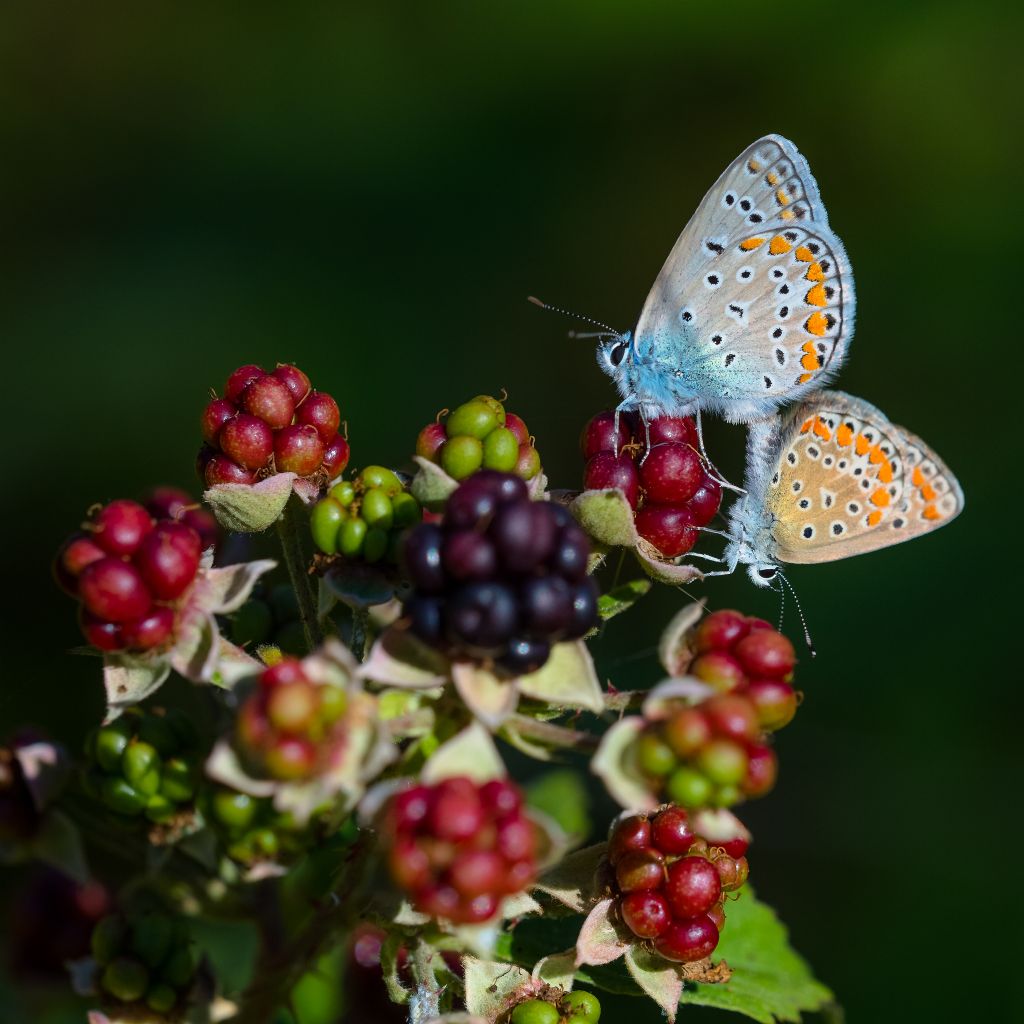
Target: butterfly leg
<point>626,405</point>
<point>708,464</point>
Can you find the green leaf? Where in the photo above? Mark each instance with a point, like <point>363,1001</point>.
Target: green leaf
<point>250,508</point>
<point>562,796</point>
<point>607,517</point>
<point>622,598</point>
<point>770,980</point>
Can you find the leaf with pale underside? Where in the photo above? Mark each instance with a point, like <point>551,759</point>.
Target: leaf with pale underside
<point>431,485</point>
<point>571,880</point>
<point>398,659</point>
<point>558,969</point>
<point>490,699</point>
<point>567,679</point>
<point>599,941</point>
<point>471,753</point>
<point>59,844</point>
<point>613,765</point>
<point>129,680</point>
<point>606,516</point>
<point>670,693</point>
<point>45,767</point>
<point>658,978</point>
<point>251,508</point>
<point>224,590</point>
<point>492,986</point>
<point>669,572</point>
<point>673,652</point>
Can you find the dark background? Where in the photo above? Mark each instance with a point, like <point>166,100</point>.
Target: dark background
<point>372,191</point>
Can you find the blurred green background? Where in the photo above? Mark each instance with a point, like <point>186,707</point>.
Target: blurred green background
<point>372,190</point>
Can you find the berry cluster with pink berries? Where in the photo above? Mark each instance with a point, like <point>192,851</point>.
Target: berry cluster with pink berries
<point>458,848</point>
<point>129,571</point>
<point>671,884</point>
<point>270,423</point>
<point>659,470</point>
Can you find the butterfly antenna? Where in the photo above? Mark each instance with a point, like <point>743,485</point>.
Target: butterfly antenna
<point>574,316</point>
<point>800,612</point>
<point>782,605</point>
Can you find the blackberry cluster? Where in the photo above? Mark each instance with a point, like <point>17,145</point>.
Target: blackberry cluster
<point>288,727</point>
<point>671,884</point>
<point>270,423</point>
<point>249,827</point>
<point>174,503</point>
<point>577,1007</point>
<point>458,848</point>
<point>147,959</point>
<point>363,520</point>
<point>714,753</point>
<point>270,616</point>
<point>479,434</point>
<point>129,572</point>
<point>145,764</point>
<point>667,486</point>
<point>501,577</point>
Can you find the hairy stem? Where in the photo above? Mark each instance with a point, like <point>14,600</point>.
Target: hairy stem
<point>290,528</point>
<point>425,1001</point>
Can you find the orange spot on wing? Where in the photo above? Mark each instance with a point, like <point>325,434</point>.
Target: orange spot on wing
<point>781,198</point>
<point>821,429</point>
<point>885,474</point>
<point>874,518</point>
<point>807,426</point>
<point>787,215</point>
<point>772,178</point>
<point>751,243</point>
<point>931,512</point>
<point>804,378</point>
<point>816,296</point>
<point>863,445</point>
<point>928,493</point>
<point>917,477</point>
<point>809,361</point>
<point>877,455</point>
<point>804,255</point>
<point>817,324</point>
<point>754,166</point>
<point>844,435</point>
<point>814,273</point>
<point>778,246</point>
<point>879,497</point>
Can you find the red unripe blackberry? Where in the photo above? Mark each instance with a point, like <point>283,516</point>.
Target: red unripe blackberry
<point>336,456</point>
<point>670,473</point>
<point>298,449</point>
<point>686,731</point>
<point>717,915</point>
<point>671,832</point>
<point>291,758</point>
<point>288,670</point>
<point>688,940</point>
<point>692,887</point>
<point>456,813</point>
<point>222,470</point>
<point>247,440</point>
<point>706,500</point>
<point>294,379</point>
<point>169,559</point>
<point>681,429</point>
<point>518,428</point>
<point>429,441</point>
<point>321,411</point>
<point>670,528</point>
<point>292,708</point>
<point>120,526</point>
<point>762,770</point>
<point>718,631</point>
<point>605,471</point>
<point>518,875</point>
<point>731,715</point>
<point>755,623</point>
<point>271,400</point>
<point>645,913</point>
<point>439,901</point>
<point>477,910</point>
<point>410,807</point>
<point>501,797</point>
<point>516,838</point>
<point>217,413</point>
<point>76,554</point>
<point>114,590</point>
<point>774,701</point>
<point>240,380</point>
<point>632,833</point>
<point>640,869</point>
<point>600,435</point>
<point>174,503</point>
<point>105,636</point>
<point>475,872</point>
<point>252,731</point>
<point>765,652</point>
<point>409,864</point>
<point>720,670</point>
<point>154,629</point>
<point>735,847</point>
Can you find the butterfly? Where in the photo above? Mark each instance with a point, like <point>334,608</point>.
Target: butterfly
<point>830,478</point>
<point>754,306</point>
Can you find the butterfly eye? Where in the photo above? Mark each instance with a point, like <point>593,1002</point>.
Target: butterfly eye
<point>617,353</point>
<point>767,574</point>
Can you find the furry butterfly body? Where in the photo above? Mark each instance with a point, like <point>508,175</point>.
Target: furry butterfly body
<point>830,478</point>
<point>754,306</point>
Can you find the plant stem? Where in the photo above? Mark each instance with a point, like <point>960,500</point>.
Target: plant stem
<point>289,530</point>
<point>360,624</point>
<point>425,1001</point>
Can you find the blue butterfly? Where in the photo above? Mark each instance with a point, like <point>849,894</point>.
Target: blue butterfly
<point>754,306</point>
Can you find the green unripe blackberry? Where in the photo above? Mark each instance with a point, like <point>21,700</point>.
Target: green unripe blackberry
<point>582,1006</point>
<point>234,810</point>
<point>501,450</point>
<point>474,419</point>
<point>376,509</point>
<point>120,796</point>
<point>380,478</point>
<point>141,766</point>
<point>152,935</point>
<point>495,406</point>
<point>343,492</point>
<point>462,456</point>
<point>689,787</point>
<point>125,979</point>
<point>108,936</point>
<point>110,742</point>
<point>161,998</point>
<point>351,538</point>
<point>535,1011</point>
<point>324,523</point>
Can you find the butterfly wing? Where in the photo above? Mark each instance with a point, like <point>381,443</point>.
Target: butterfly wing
<point>755,304</point>
<point>848,481</point>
